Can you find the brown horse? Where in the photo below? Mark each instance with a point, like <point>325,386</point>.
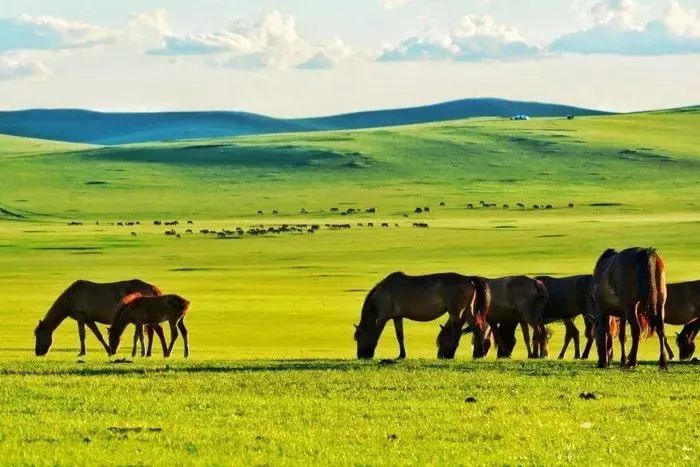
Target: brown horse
<point>569,297</point>
<point>683,307</point>
<point>517,300</point>
<point>89,303</point>
<point>631,285</point>
<point>423,298</point>
<point>143,310</point>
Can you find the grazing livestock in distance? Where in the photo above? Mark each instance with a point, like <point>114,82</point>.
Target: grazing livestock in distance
<point>630,285</point>
<point>424,298</point>
<point>89,303</point>
<point>521,205</point>
<point>418,211</point>
<point>470,206</point>
<point>143,310</point>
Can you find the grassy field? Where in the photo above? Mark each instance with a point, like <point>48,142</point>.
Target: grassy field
<point>271,377</point>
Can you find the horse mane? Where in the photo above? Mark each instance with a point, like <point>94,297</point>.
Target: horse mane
<point>369,313</point>
<point>58,311</point>
<point>131,297</point>
<point>607,254</point>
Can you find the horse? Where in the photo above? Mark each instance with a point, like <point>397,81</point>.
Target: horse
<point>143,310</point>
<point>631,285</point>
<point>569,297</point>
<point>89,303</point>
<point>683,307</point>
<point>517,300</point>
<point>423,298</point>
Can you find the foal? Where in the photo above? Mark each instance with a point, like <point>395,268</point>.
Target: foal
<point>144,310</point>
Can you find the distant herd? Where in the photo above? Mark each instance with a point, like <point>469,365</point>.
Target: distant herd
<point>626,287</point>
<point>287,228</point>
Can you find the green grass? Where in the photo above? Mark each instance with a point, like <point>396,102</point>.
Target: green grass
<point>291,299</point>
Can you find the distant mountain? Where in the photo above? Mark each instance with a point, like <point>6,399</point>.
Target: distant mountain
<point>84,126</point>
<point>453,110</point>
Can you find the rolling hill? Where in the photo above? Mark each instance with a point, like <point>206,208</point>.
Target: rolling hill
<point>84,126</point>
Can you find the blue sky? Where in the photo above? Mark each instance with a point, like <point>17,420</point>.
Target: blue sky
<point>313,57</point>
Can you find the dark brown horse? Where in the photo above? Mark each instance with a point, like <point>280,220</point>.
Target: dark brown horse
<point>89,303</point>
<point>631,285</point>
<point>683,307</point>
<point>423,298</point>
<point>517,300</point>
<point>140,310</point>
<point>569,297</point>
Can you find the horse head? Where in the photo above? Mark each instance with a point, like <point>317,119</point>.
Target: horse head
<point>686,344</point>
<point>448,340</point>
<point>366,342</point>
<point>43,338</point>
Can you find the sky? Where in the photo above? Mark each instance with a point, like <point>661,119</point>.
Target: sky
<point>293,58</point>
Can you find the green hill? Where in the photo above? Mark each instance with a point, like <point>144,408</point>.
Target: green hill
<point>619,159</point>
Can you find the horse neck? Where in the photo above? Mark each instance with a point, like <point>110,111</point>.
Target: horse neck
<point>368,318</point>
<point>121,320</point>
<point>57,313</point>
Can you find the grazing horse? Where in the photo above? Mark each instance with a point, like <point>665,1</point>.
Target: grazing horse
<point>89,303</point>
<point>424,298</point>
<point>631,285</point>
<point>569,297</point>
<point>683,307</point>
<point>517,300</point>
<point>143,310</point>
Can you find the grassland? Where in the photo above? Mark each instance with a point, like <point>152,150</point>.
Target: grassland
<point>290,299</point>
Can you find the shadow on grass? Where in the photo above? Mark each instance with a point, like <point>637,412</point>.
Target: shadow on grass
<point>38,367</point>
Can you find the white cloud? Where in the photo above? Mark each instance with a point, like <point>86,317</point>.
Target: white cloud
<point>475,38</point>
<point>49,33</point>
<point>149,26</point>
<point>12,68</point>
<point>272,42</point>
<point>616,32</point>
<point>392,4</point>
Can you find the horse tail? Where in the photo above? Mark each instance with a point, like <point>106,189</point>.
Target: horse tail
<point>541,298</point>
<point>647,291</point>
<point>482,302</point>
<point>614,326</point>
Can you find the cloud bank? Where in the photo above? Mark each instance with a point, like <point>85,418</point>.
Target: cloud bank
<point>476,38</point>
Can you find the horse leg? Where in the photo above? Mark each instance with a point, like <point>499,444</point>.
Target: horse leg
<point>140,333</point>
<point>161,335</point>
<point>81,335</point>
<point>544,349</point>
<point>136,340</point>
<point>183,331</point>
<point>662,340</point>
<point>590,337</point>
<point>96,331</point>
<point>173,336</point>
<point>577,340</point>
<point>526,337</point>
<point>567,338</point>
<point>149,338</point>
<point>671,355</point>
<point>622,336</point>
<point>398,326</point>
<point>636,333</point>
<point>601,338</point>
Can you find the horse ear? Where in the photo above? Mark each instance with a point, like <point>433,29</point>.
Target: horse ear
<point>356,326</point>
